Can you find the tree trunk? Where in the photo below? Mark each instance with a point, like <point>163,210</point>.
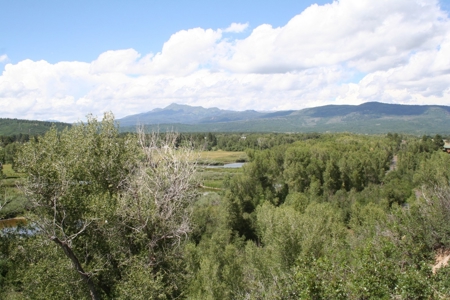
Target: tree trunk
<point>76,263</point>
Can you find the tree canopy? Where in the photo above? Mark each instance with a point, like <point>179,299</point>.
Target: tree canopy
<point>310,216</point>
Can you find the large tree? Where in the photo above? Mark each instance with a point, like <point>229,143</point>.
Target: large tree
<point>108,200</point>
<point>74,178</point>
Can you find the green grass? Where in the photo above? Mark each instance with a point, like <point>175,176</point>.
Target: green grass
<point>8,172</point>
<point>10,193</point>
<point>214,178</point>
<point>15,201</point>
<point>221,157</point>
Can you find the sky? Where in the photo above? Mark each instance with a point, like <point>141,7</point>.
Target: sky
<point>63,60</point>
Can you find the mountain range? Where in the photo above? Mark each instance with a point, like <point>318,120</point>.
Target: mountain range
<point>185,114</point>
<point>367,118</point>
<point>370,118</point>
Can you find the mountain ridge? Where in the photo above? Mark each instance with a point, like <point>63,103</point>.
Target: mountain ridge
<point>369,117</point>
<point>9,126</point>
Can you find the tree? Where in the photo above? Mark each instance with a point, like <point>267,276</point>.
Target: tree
<point>117,206</point>
<point>74,178</point>
<point>156,209</point>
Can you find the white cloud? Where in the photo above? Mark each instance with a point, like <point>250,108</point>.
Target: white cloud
<point>3,58</point>
<point>400,49</point>
<point>365,34</point>
<point>119,61</point>
<point>236,27</point>
<point>186,51</point>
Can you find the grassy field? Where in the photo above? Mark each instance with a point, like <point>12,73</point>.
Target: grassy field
<point>9,173</point>
<point>213,178</point>
<point>9,193</point>
<point>221,157</point>
<point>13,222</point>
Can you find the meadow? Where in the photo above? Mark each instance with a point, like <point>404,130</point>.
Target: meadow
<point>220,157</point>
<point>10,193</point>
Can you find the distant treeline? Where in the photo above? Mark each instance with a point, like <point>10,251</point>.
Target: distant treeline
<point>5,140</point>
<point>9,145</point>
<point>14,132</point>
<point>261,141</point>
<point>242,141</point>
<point>9,127</point>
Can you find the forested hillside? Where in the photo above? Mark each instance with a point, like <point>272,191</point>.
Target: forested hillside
<point>9,127</point>
<point>14,132</point>
<point>310,216</point>
<point>366,118</point>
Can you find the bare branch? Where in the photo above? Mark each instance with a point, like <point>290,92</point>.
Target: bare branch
<point>161,190</point>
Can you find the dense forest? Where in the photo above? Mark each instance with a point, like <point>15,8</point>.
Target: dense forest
<point>310,216</point>
<point>11,127</point>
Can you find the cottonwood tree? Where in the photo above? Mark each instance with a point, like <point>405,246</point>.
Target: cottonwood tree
<point>161,190</point>
<point>155,210</point>
<point>107,201</point>
<point>74,178</point>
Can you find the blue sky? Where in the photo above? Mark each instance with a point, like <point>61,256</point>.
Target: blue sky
<point>81,30</point>
<point>64,59</point>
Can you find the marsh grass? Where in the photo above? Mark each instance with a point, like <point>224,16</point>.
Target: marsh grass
<point>10,194</point>
<point>221,157</point>
<point>13,222</point>
<point>9,173</point>
<point>214,178</point>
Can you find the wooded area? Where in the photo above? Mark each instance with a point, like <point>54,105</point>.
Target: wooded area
<point>310,216</point>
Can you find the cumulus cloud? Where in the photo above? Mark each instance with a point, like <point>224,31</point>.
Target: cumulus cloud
<point>236,27</point>
<point>185,52</point>
<point>398,49</point>
<point>3,58</point>
<point>367,35</point>
<point>125,61</point>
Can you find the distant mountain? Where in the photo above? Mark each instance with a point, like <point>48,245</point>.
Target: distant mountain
<point>18,126</point>
<point>371,108</point>
<point>371,117</point>
<point>185,114</point>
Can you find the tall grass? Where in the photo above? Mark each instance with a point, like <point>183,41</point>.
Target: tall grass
<point>13,222</point>
<point>221,157</point>
<point>12,200</point>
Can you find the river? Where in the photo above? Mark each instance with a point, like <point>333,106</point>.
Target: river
<point>231,166</point>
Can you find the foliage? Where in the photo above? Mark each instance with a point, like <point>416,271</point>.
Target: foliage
<point>105,204</point>
<point>330,216</point>
<point>20,130</point>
